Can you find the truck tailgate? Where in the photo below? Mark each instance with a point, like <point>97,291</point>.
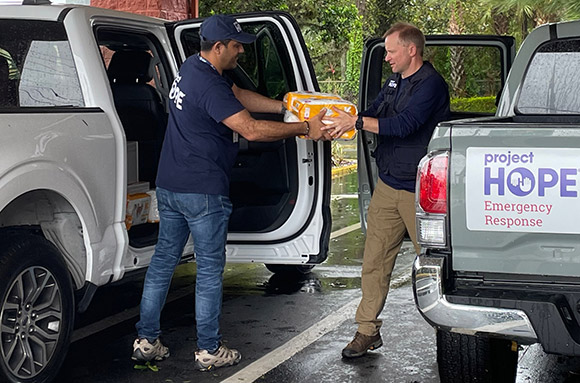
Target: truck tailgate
<point>514,198</point>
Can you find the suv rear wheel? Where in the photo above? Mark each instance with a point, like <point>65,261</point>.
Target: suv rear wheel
<point>36,308</point>
<point>466,358</point>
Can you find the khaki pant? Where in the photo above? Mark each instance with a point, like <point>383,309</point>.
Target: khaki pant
<point>391,213</point>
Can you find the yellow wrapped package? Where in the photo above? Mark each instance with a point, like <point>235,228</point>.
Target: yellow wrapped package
<point>291,99</point>
<point>305,108</point>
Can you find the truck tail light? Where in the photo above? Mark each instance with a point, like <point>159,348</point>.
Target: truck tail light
<point>433,184</point>
<point>431,200</point>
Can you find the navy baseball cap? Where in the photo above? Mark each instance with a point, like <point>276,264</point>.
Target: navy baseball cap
<point>222,27</point>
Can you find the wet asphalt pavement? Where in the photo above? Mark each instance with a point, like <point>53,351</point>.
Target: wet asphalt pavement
<point>288,329</point>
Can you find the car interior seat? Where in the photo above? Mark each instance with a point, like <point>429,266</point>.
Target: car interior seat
<point>139,106</point>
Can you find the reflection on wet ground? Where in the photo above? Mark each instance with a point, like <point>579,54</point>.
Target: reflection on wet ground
<point>344,201</point>
<point>292,283</point>
<point>345,185</point>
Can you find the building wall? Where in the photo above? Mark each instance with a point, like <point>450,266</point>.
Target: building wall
<point>166,9</point>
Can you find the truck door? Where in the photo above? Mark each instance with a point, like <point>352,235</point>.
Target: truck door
<point>475,68</point>
<point>280,190</point>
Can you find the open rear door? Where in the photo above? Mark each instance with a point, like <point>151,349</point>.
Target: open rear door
<point>475,68</point>
<point>280,190</point>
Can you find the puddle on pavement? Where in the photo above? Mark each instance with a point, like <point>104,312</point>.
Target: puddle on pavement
<point>347,184</point>
<point>340,271</point>
<point>344,201</point>
<point>344,212</point>
<point>347,249</point>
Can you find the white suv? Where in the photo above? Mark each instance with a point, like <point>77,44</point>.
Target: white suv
<point>83,108</point>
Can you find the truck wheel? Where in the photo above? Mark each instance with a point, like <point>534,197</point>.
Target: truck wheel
<point>289,269</point>
<point>36,309</point>
<point>466,358</point>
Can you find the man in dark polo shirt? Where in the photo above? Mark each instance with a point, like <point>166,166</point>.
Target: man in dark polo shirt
<point>207,113</point>
<point>413,100</point>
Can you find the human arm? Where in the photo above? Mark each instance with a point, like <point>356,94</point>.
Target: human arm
<point>430,96</point>
<point>345,122</point>
<point>265,130</point>
<point>255,102</point>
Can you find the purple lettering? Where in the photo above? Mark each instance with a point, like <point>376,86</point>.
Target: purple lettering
<point>488,180</point>
<point>487,159</point>
<point>543,183</point>
<point>565,182</point>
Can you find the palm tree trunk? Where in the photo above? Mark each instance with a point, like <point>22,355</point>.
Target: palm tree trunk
<point>456,27</point>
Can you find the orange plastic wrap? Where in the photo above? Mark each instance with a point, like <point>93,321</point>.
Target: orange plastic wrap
<point>291,99</point>
<point>304,107</point>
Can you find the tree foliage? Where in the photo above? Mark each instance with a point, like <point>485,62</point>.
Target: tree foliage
<point>335,30</point>
<point>353,59</point>
<point>326,25</point>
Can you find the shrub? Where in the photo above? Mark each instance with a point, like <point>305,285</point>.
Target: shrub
<point>474,104</point>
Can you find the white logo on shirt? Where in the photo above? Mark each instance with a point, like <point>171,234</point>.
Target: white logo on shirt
<point>176,94</point>
<point>392,84</point>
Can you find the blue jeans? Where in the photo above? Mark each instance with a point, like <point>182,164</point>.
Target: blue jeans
<point>206,217</point>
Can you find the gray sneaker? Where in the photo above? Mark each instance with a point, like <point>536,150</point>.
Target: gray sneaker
<point>143,351</point>
<point>221,358</point>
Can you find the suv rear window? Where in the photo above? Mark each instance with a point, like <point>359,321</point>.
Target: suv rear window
<point>36,65</point>
<point>551,82</point>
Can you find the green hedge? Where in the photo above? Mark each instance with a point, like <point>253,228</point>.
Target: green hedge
<point>474,104</point>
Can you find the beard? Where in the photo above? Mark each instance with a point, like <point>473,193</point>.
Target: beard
<point>232,64</point>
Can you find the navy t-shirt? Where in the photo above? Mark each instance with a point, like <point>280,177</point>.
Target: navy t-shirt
<point>199,151</point>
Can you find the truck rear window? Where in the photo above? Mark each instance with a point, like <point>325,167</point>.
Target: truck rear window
<point>36,65</point>
<point>551,81</point>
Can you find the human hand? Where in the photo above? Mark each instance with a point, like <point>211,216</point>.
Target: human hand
<point>316,127</point>
<point>341,123</point>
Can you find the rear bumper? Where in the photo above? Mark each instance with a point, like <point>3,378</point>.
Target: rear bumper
<point>466,319</point>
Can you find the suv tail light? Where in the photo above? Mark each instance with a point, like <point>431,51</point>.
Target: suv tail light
<point>431,200</point>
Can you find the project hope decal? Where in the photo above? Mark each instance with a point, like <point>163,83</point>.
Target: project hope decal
<point>523,189</point>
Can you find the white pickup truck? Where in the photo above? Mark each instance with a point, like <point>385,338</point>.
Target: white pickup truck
<point>497,217</point>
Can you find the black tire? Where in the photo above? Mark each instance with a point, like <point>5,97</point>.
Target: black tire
<point>289,269</point>
<point>36,309</point>
<point>466,358</point>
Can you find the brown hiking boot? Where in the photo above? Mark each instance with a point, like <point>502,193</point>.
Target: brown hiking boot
<point>360,344</point>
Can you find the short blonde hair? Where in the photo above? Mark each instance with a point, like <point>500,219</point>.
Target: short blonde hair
<point>408,33</point>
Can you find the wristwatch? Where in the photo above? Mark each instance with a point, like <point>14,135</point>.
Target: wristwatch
<point>359,123</point>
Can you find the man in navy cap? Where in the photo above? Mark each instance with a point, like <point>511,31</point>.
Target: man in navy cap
<point>207,113</point>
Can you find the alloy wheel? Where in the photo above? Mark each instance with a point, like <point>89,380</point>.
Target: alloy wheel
<point>30,317</point>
